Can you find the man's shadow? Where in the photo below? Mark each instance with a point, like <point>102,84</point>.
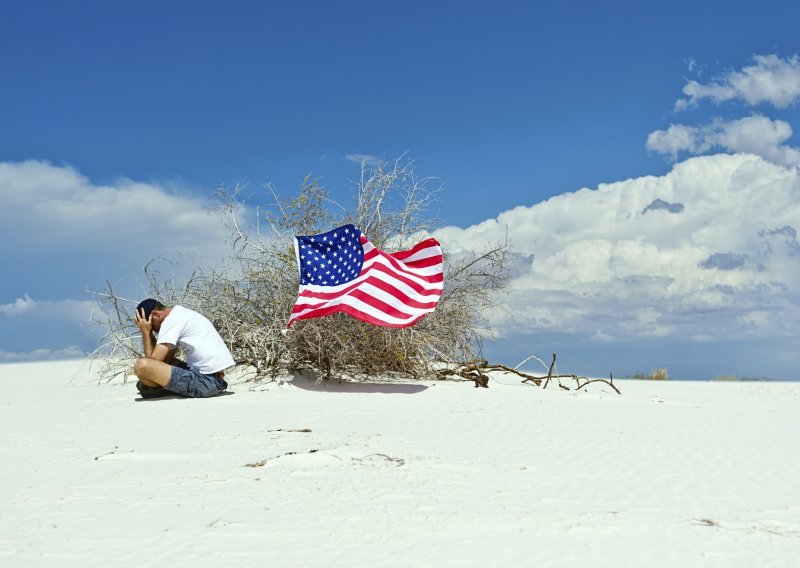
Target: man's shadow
<point>177,397</point>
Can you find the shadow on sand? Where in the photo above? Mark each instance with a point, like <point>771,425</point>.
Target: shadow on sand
<point>385,387</point>
<point>176,396</point>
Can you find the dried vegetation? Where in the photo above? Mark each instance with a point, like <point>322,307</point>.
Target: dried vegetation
<point>250,295</point>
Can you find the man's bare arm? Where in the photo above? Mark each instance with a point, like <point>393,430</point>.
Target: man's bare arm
<point>162,352</point>
<point>145,325</point>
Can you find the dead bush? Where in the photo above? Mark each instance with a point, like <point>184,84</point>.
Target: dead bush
<point>250,295</point>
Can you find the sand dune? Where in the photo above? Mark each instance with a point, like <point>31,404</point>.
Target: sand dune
<point>436,473</point>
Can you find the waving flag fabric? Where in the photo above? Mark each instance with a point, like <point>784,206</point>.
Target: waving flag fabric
<point>341,271</point>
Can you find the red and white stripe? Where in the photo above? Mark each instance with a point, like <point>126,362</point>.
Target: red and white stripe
<point>393,290</point>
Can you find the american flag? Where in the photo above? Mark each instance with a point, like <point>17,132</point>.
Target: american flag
<point>341,271</point>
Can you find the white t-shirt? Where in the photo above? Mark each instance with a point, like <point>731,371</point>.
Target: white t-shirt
<point>186,328</point>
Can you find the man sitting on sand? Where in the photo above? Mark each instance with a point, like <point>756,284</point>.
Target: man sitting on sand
<point>159,372</point>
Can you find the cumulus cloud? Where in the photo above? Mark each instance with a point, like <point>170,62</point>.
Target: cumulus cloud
<point>55,205</point>
<point>18,307</point>
<point>609,263</point>
<point>63,228</point>
<point>771,79</point>
<point>676,139</point>
<point>754,134</point>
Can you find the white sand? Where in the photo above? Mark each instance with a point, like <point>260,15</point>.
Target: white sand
<point>667,474</point>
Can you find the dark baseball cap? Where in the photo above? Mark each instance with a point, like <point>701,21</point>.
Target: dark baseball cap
<point>148,306</point>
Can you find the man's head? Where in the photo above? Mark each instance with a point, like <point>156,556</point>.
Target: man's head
<point>154,310</point>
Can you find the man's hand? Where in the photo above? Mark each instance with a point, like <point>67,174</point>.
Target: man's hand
<point>145,324</point>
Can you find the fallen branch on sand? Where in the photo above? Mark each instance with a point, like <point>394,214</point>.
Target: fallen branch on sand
<point>477,371</point>
<point>263,462</point>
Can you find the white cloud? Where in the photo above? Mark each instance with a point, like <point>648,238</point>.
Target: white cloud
<point>367,159</point>
<point>676,139</point>
<point>710,249</point>
<point>63,227</point>
<point>56,205</point>
<point>18,307</point>
<point>771,79</point>
<point>754,134</point>
<point>41,355</point>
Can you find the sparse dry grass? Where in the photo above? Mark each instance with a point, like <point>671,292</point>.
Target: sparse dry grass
<point>655,375</point>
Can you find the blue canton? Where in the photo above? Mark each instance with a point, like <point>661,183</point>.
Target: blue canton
<point>331,258</point>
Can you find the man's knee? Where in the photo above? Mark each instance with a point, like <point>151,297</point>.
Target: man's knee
<point>152,372</point>
<point>140,366</point>
<point>145,368</point>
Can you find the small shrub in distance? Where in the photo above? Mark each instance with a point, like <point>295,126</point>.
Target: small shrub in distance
<point>725,378</point>
<point>659,375</point>
<point>655,375</point>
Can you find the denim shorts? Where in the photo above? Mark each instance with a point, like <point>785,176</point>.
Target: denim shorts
<point>194,384</point>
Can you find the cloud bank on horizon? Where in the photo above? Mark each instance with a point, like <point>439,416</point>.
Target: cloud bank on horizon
<point>708,252</point>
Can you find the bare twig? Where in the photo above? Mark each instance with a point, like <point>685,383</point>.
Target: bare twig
<point>550,372</point>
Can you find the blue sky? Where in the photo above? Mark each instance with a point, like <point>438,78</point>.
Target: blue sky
<point>509,104</point>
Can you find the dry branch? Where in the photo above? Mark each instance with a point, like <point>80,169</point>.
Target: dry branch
<point>477,371</point>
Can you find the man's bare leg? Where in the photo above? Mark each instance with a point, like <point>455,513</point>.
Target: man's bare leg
<point>153,373</point>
